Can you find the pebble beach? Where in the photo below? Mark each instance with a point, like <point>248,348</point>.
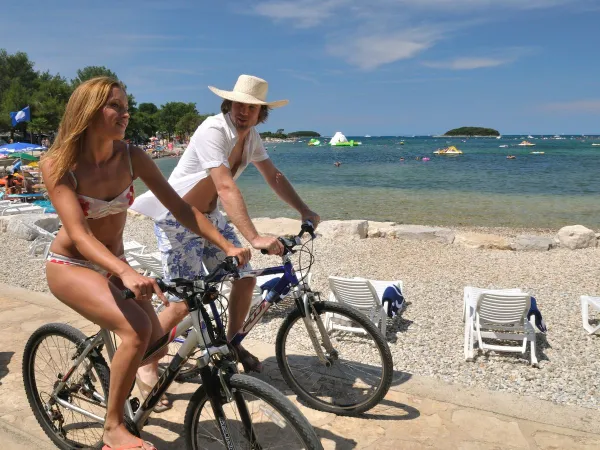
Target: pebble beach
<point>427,338</point>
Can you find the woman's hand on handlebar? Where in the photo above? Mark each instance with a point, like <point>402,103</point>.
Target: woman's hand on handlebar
<point>243,255</point>
<point>143,287</point>
<point>270,244</point>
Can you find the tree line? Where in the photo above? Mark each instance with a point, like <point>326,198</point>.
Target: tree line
<point>47,95</point>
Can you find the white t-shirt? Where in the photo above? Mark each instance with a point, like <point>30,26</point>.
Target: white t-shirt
<point>209,147</point>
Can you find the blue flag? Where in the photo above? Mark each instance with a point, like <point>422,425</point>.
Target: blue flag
<point>20,116</point>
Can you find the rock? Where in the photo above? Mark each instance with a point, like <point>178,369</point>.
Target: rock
<point>18,225</point>
<point>420,233</point>
<point>576,236</point>
<point>377,229</point>
<point>483,241</point>
<point>352,228</point>
<point>277,227</point>
<point>527,242</point>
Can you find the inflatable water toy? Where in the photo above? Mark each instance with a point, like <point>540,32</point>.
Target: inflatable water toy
<point>526,144</point>
<point>314,142</point>
<point>511,157</point>
<point>426,158</point>
<point>452,150</point>
<point>339,140</point>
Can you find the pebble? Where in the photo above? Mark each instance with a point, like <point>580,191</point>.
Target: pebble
<point>428,337</point>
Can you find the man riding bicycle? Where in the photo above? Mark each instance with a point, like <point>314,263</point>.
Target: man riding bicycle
<point>218,152</point>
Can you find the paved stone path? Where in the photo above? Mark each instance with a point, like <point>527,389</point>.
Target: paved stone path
<point>417,413</point>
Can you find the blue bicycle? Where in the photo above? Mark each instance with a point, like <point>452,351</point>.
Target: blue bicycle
<point>331,355</point>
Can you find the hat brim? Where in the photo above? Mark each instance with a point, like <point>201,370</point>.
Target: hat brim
<point>245,98</point>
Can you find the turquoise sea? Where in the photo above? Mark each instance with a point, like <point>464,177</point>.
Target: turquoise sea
<point>478,188</point>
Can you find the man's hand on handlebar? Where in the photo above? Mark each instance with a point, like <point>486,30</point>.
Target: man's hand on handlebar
<point>312,217</point>
<point>242,254</point>
<point>270,244</point>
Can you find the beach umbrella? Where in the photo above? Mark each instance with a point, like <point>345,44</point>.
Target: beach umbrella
<point>24,156</point>
<point>21,147</point>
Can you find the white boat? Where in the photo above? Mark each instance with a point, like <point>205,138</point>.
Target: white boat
<point>367,135</point>
<point>452,150</point>
<point>503,146</point>
<point>526,144</point>
<point>537,153</point>
<point>595,145</point>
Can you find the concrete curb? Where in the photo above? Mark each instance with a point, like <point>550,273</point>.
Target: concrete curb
<point>15,439</point>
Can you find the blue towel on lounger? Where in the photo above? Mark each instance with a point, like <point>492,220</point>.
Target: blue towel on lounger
<point>393,295</point>
<point>539,320</point>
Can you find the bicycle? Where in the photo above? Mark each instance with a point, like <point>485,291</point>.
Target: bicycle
<point>321,375</point>
<point>244,412</point>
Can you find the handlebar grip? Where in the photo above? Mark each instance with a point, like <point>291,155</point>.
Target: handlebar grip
<point>127,293</point>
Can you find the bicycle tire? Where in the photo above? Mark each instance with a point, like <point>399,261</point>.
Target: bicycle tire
<point>311,398</point>
<point>279,404</point>
<point>30,381</point>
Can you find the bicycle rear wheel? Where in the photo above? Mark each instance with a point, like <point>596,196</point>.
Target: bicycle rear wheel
<point>358,369</point>
<point>47,358</point>
<point>259,417</point>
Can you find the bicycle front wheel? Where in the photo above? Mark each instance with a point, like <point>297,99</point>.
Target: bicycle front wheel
<point>357,369</point>
<point>47,357</point>
<point>259,417</point>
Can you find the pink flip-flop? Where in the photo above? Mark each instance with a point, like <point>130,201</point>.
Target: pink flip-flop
<point>138,443</point>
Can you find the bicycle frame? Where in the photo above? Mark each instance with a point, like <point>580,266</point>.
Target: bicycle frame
<point>287,282</point>
<point>197,336</point>
<point>275,295</point>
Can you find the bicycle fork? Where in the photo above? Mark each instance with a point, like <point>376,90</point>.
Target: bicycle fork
<point>307,311</point>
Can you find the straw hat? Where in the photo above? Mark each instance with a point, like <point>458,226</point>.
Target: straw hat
<point>250,90</point>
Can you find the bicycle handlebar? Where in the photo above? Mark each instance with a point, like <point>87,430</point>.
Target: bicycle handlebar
<point>230,265</point>
<point>290,242</point>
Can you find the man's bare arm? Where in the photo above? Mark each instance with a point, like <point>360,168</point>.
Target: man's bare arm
<point>284,189</point>
<point>236,209</point>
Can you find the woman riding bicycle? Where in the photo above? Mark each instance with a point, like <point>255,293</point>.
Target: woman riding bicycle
<point>89,173</point>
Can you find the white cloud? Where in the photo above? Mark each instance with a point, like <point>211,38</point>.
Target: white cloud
<point>467,63</point>
<point>378,22</point>
<point>575,106</point>
<point>302,13</point>
<point>371,51</point>
<point>304,76</point>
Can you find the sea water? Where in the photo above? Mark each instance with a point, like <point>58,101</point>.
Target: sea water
<point>478,188</point>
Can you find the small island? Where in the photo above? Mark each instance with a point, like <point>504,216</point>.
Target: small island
<point>472,132</point>
<point>280,136</point>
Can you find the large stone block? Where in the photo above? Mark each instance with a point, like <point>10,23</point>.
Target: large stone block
<point>350,228</point>
<point>277,227</point>
<point>534,243</point>
<point>576,236</point>
<point>483,241</point>
<point>420,233</point>
<point>377,229</point>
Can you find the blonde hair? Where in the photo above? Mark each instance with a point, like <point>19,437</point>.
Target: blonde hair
<point>84,103</point>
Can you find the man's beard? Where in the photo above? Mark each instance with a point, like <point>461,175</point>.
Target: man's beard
<point>241,127</point>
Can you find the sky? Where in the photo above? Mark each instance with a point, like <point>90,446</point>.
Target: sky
<point>378,67</point>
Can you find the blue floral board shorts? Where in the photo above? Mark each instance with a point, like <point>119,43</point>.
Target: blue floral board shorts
<point>185,254</point>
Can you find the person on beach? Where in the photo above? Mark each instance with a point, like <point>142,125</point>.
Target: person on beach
<point>89,173</point>
<point>218,152</point>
